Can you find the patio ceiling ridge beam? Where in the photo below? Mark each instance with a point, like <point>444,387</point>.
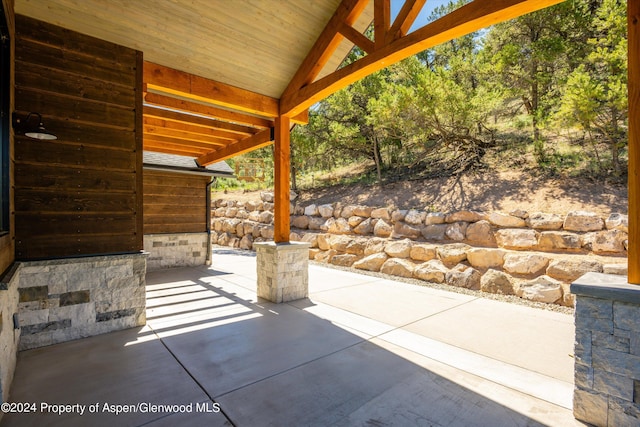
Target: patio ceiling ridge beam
<point>259,140</point>
<point>467,19</point>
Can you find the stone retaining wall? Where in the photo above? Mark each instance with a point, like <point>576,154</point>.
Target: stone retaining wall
<point>533,255</point>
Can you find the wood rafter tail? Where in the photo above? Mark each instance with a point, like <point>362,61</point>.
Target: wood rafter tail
<point>467,19</point>
<point>259,140</point>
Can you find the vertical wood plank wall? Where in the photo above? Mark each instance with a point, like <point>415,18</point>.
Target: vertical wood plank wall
<point>174,203</point>
<point>78,195</point>
<point>7,242</point>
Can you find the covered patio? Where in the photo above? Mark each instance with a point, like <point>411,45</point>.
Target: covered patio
<point>362,350</point>
<point>209,80</point>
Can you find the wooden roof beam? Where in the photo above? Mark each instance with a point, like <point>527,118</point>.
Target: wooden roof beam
<point>191,129</point>
<point>176,82</point>
<point>186,136</point>
<point>158,100</point>
<point>205,145</point>
<point>190,119</point>
<point>163,147</point>
<point>381,21</point>
<point>467,19</point>
<point>357,38</point>
<point>259,140</point>
<point>167,80</point>
<point>405,19</point>
<point>346,14</point>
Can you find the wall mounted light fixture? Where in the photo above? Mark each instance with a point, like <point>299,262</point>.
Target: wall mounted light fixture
<point>33,129</point>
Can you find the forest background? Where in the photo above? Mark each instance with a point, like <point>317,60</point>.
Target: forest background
<point>544,94</point>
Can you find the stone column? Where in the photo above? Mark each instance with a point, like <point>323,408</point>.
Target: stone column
<point>283,271</point>
<point>607,350</point>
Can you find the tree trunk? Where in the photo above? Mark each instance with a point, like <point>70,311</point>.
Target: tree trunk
<point>377,158</point>
<point>535,100</point>
<point>615,152</point>
<point>294,183</point>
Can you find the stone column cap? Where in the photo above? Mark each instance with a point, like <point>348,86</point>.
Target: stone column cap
<point>283,246</point>
<point>606,286</point>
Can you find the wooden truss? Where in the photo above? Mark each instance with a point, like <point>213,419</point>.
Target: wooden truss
<point>211,121</point>
<point>391,42</point>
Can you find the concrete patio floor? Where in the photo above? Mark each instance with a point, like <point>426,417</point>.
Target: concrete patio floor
<point>361,351</point>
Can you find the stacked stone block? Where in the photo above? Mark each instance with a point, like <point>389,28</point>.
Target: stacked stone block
<point>282,271</point>
<point>175,250</point>
<point>537,255</point>
<point>9,334</point>
<point>62,300</point>
<point>607,351</point>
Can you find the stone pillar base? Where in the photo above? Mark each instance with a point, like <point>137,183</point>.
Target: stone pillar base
<point>283,271</point>
<point>607,350</point>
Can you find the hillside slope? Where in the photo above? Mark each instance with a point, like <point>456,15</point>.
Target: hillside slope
<point>495,191</point>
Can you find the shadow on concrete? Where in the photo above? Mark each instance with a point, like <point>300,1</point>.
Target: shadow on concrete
<point>262,364</point>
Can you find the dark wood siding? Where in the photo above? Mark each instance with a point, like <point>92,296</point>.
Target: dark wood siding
<point>7,245</point>
<point>80,194</point>
<point>174,203</point>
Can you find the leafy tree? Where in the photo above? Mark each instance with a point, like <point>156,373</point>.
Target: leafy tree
<point>339,129</point>
<point>431,114</point>
<point>529,55</point>
<point>595,97</point>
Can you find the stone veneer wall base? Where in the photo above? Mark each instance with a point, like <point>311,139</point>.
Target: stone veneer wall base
<point>176,250</point>
<point>9,335</point>
<point>66,299</point>
<point>607,350</point>
<point>283,271</point>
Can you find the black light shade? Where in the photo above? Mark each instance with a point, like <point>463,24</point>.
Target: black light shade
<point>36,132</point>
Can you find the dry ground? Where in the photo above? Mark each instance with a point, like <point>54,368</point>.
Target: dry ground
<point>498,191</point>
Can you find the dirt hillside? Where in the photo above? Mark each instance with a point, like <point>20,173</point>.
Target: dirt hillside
<point>500,191</point>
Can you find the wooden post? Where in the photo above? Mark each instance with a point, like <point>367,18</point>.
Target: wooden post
<point>633,14</point>
<point>282,161</point>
